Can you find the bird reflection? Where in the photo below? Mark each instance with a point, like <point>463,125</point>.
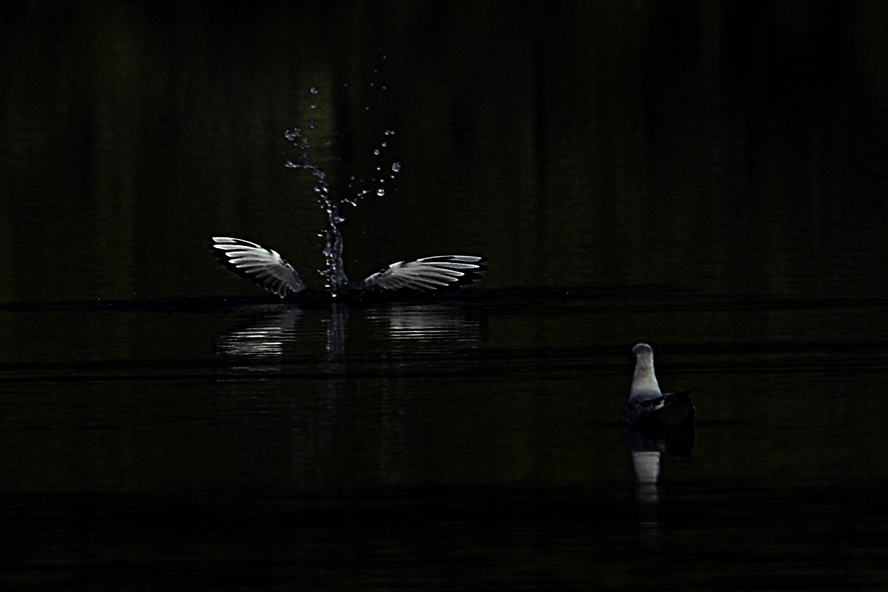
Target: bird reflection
<point>648,445</point>
<point>306,365</point>
<point>428,325</point>
<point>655,424</point>
<point>262,337</point>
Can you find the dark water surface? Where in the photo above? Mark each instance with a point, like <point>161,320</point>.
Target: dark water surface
<point>470,443</point>
<point>708,177</point>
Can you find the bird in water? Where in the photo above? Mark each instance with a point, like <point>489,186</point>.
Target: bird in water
<point>266,268</point>
<point>647,405</point>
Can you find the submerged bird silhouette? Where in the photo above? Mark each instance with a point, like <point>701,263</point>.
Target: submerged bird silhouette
<point>647,405</point>
<point>266,268</point>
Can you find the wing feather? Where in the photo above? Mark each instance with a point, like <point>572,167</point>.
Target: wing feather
<point>429,274</point>
<point>264,267</point>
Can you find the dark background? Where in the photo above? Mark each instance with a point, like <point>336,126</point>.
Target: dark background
<point>719,147</point>
<point>708,177</point>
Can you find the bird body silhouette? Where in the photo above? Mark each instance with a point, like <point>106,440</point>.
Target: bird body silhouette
<point>648,405</point>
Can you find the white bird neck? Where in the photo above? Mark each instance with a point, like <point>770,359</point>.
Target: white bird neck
<point>644,381</point>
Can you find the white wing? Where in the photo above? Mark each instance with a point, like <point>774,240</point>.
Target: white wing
<point>429,274</point>
<point>261,266</point>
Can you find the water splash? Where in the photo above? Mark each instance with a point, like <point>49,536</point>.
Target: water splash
<point>333,272</point>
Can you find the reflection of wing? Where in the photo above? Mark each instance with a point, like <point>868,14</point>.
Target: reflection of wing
<point>429,274</point>
<point>262,339</point>
<point>430,325</point>
<point>261,266</point>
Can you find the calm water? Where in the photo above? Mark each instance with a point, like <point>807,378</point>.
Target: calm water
<point>708,177</point>
<point>467,443</point>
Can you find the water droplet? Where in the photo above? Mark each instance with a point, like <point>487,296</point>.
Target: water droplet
<point>384,145</point>
<point>376,153</point>
<point>314,90</point>
<point>390,132</point>
<point>314,105</point>
<point>396,167</point>
<point>380,192</point>
<point>291,165</point>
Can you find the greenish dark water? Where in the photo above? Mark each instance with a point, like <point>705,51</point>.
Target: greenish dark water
<point>706,177</point>
<point>470,443</point>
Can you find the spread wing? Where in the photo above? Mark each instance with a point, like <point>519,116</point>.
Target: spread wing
<point>429,274</point>
<point>261,266</point>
